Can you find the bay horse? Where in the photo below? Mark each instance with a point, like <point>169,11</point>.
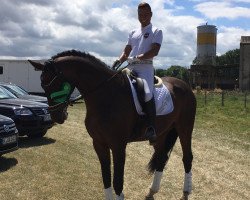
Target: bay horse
<point>111,119</point>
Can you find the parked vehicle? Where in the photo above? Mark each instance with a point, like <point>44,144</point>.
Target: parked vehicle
<point>31,118</point>
<point>23,94</point>
<point>8,135</point>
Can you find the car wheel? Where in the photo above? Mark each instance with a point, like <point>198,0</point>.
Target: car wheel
<point>39,134</point>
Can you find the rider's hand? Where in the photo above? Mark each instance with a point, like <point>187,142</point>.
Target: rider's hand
<point>116,64</point>
<point>132,59</point>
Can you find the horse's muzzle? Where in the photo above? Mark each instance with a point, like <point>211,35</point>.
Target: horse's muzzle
<point>59,112</point>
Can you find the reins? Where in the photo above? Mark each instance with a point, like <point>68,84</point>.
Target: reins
<point>105,81</point>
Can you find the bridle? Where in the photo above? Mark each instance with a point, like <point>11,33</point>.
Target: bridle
<point>61,97</point>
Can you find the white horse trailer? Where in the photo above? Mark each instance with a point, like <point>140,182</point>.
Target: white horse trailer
<point>23,74</point>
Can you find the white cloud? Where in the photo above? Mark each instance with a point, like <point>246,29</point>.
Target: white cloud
<point>214,10</point>
<point>241,1</point>
<point>229,38</point>
<point>42,28</point>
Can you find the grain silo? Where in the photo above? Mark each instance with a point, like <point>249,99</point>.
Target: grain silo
<point>244,80</point>
<point>206,45</point>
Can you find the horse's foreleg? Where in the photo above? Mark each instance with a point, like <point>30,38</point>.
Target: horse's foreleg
<point>119,162</point>
<point>108,193</point>
<point>120,197</point>
<point>103,153</point>
<point>187,188</point>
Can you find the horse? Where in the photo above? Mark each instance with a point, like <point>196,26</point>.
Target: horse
<point>111,119</point>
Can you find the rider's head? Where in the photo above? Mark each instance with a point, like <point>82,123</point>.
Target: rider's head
<point>144,14</point>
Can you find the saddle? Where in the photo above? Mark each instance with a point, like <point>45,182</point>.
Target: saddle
<point>139,84</point>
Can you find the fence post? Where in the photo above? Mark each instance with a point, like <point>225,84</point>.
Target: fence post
<point>222,98</point>
<point>245,100</point>
<point>205,97</point>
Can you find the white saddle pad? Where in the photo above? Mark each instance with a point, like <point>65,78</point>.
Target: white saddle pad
<point>163,100</point>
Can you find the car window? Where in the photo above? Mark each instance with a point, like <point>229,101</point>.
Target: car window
<point>15,90</point>
<point>5,94</point>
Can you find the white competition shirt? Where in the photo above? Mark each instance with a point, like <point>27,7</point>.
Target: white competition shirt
<point>141,39</point>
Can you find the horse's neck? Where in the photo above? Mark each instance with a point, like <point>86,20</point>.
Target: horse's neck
<point>87,79</point>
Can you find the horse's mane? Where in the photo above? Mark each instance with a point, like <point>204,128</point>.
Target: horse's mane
<point>85,55</point>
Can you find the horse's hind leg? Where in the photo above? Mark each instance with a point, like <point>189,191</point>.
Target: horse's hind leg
<point>159,160</point>
<point>185,140</point>
<point>187,162</point>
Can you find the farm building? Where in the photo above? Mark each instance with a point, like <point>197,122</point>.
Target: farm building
<point>207,74</point>
<point>210,77</point>
<point>244,80</point>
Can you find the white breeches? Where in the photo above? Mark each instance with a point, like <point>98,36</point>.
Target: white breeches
<point>146,73</point>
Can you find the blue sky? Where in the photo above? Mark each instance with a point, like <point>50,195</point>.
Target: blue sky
<point>192,8</point>
<point>41,28</point>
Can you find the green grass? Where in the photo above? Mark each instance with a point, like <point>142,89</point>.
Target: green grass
<point>230,122</point>
<point>64,166</point>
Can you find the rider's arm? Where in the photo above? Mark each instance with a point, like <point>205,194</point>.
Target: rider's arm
<point>155,48</point>
<point>125,53</point>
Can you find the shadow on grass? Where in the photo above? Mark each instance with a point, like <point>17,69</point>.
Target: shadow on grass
<point>7,163</point>
<point>25,142</point>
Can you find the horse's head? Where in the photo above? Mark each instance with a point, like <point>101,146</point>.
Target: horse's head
<point>57,89</point>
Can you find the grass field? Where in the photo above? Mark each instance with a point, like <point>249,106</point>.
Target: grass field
<point>64,166</point>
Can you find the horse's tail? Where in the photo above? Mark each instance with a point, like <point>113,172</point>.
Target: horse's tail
<point>160,157</point>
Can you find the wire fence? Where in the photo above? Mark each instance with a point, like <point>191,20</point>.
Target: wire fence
<point>223,98</point>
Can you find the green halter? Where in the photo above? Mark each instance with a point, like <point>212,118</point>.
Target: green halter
<point>62,95</point>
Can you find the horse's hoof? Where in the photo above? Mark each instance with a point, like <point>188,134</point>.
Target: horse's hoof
<point>185,196</point>
<point>149,198</point>
<point>150,195</point>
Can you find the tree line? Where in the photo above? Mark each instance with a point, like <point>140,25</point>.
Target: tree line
<point>231,57</point>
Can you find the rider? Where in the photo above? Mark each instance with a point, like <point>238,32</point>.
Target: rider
<point>143,45</point>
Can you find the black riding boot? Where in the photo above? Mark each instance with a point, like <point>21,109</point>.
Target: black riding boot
<point>150,117</point>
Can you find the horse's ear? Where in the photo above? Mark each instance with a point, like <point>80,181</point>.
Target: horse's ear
<point>36,65</point>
